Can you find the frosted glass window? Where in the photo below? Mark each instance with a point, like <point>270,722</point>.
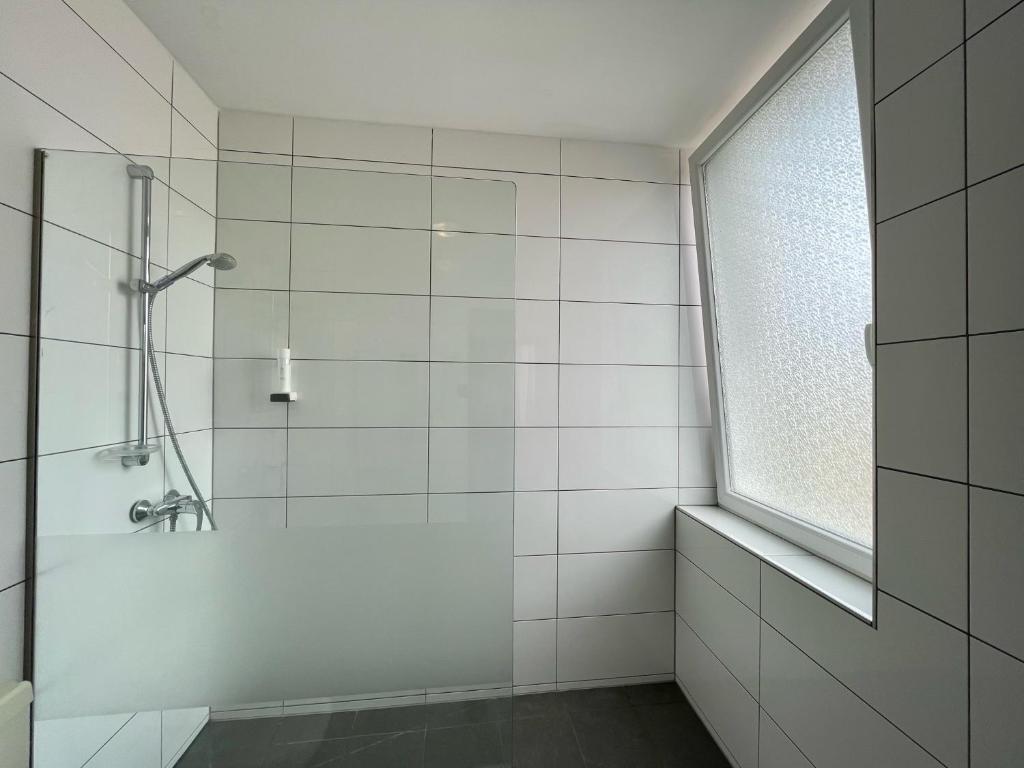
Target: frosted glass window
<point>790,260</point>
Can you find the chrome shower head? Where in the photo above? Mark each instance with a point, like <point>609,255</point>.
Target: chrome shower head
<point>216,260</point>
<point>223,261</point>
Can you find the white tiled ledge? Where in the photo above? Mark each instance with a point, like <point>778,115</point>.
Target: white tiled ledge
<point>835,584</point>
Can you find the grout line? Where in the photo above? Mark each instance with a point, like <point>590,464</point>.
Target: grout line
<point>917,74</point>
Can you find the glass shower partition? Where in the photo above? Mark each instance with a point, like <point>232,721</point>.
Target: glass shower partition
<point>367,586</point>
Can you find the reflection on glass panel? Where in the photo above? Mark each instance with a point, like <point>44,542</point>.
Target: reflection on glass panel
<point>791,263</point>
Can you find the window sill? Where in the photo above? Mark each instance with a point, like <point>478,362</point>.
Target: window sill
<point>838,586</point>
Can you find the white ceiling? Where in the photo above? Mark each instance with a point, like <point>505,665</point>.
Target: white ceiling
<point>651,71</point>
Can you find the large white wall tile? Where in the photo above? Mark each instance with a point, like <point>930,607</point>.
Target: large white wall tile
<point>472,330</point>
<point>537,331</point>
<point>904,46</point>
<point>981,12</point>
<point>729,709</point>
<point>190,318</point>
<point>995,114</point>
<point>13,484</point>
<point>377,394</point>
<point>255,132</point>
<point>250,323</point>
<point>604,583</point>
<point>535,529</point>
<point>922,543</point>
<point>602,647</point>
<point>536,459</point>
<point>241,394</point>
<point>362,141</point>
<point>331,511</point>
<point>46,48</point>
<point>630,162</point>
<point>830,723</point>
<point>606,458</point>
<point>16,289</point>
<point>80,186</point>
<point>188,142</point>
<point>30,123</point>
<point>465,264</point>
<point>995,266</point>
<point>776,749</point>
<point>473,205</point>
<point>997,569</point>
<point>606,521</point>
<point>191,232</point>
<point>262,251</point>
<point>689,276</point>
<point>188,382</point>
<point>738,571</point>
<point>691,337</point>
<point>251,191</point>
<point>83,296</point>
<point>694,400</point>
<point>728,627</point>
<point>126,34</point>
<point>537,265</point>
<point>359,327</point>
<point>471,395</point>
<point>927,699</point>
<point>617,396</point>
<point>922,273</point>
<point>997,411</point>
<point>919,139</point>
<point>70,374</point>
<point>536,395</point>
<point>626,334</point>
<point>595,270</point>
<point>536,198</point>
<point>471,460</point>
<point>12,612</point>
<point>191,100</point>
<point>620,210</point>
<point>324,462</point>
<point>495,151</point>
<point>997,707</point>
<point>922,407</point>
<point>251,514</point>
<point>250,462</point>
<point>535,587</point>
<point>696,458</point>
<point>327,196</point>
<point>533,652</point>
<point>359,259</point>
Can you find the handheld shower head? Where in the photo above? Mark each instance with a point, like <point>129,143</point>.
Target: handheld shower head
<point>216,260</point>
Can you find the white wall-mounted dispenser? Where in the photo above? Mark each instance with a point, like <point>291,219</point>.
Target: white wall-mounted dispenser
<point>284,393</point>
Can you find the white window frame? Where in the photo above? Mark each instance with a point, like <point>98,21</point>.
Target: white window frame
<point>853,557</point>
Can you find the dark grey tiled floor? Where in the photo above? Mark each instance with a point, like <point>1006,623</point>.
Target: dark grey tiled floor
<point>631,727</point>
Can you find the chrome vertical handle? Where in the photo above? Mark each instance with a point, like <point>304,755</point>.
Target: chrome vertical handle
<point>141,456</point>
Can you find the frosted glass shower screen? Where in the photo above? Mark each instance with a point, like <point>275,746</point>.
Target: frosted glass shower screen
<point>790,265</point>
<point>354,594</point>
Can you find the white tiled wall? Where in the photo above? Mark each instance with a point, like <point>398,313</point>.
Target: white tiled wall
<point>939,681</point>
<point>87,75</point>
<point>610,398</point>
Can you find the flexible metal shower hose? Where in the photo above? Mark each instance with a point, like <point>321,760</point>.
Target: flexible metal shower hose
<point>162,397</point>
